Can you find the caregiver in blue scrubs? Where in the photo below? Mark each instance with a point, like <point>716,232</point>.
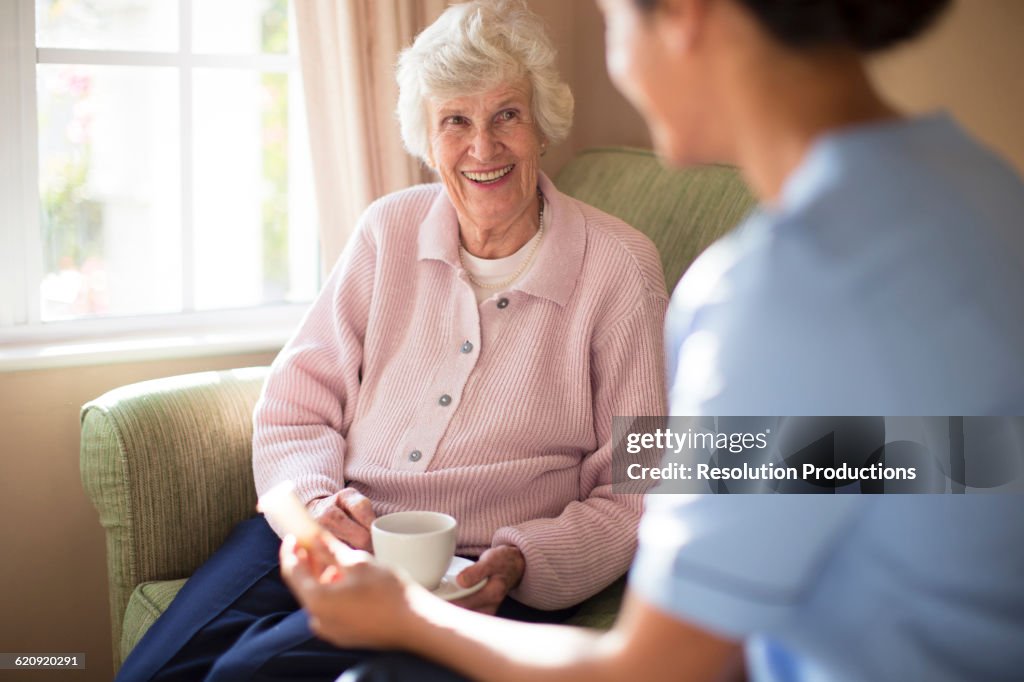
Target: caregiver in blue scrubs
<point>880,275</point>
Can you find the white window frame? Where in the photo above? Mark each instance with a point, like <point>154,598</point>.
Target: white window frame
<point>27,342</point>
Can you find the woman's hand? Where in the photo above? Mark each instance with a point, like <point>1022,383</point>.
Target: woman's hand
<point>348,517</point>
<point>503,566</point>
<point>352,601</point>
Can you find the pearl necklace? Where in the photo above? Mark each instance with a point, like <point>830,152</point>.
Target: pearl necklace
<point>526,262</point>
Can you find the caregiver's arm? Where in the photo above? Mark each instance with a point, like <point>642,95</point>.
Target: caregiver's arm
<point>361,604</point>
<point>645,644</point>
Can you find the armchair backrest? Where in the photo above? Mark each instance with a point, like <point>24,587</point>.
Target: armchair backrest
<point>681,211</point>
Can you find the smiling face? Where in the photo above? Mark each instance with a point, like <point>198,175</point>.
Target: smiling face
<point>486,148</point>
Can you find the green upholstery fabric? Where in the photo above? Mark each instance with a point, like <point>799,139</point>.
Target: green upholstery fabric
<point>600,610</point>
<point>145,605</point>
<point>681,211</point>
<point>167,463</point>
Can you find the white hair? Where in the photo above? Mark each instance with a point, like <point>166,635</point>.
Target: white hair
<point>472,47</point>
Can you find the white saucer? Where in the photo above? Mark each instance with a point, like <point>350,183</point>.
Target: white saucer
<point>449,589</point>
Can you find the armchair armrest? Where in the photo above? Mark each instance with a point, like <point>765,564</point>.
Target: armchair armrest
<point>168,465</point>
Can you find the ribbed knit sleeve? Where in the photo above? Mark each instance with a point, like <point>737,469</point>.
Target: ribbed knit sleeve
<point>308,400</point>
<point>591,543</point>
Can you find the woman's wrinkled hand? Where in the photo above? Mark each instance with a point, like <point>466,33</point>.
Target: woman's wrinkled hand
<point>351,600</point>
<point>348,517</point>
<point>503,566</point>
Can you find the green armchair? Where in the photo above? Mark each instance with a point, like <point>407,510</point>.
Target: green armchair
<point>167,463</point>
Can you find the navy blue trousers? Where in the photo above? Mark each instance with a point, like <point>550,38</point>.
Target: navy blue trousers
<point>235,619</point>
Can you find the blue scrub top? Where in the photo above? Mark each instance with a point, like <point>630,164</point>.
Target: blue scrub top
<point>888,280</point>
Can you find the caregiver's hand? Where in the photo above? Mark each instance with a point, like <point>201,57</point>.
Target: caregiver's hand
<point>352,601</point>
<point>503,566</point>
<point>348,517</point>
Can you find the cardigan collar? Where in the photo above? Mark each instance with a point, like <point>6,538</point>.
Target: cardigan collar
<point>559,259</point>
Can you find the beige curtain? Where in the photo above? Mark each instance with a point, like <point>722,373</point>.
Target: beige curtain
<point>348,51</point>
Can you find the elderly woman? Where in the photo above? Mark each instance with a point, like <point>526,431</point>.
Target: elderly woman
<point>466,355</point>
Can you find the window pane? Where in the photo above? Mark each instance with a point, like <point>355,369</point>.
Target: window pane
<point>150,25</point>
<point>255,239</point>
<point>109,190</point>
<point>240,27</point>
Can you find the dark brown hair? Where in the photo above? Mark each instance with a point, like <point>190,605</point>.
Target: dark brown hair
<point>866,25</point>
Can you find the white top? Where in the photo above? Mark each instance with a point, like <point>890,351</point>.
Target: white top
<point>494,270</point>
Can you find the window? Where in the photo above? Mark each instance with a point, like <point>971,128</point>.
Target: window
<point>169,180</point>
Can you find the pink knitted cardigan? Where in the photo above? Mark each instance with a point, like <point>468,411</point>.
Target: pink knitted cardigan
<point>399,384</point>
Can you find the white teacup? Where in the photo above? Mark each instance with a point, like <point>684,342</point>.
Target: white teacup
<point>421,543</point>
